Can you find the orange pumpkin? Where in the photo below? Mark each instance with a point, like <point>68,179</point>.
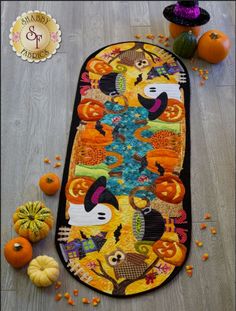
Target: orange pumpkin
<point>176,30</point>
<point>174,111</point>
<point>90,110</point>
<point>166,139</point>
<point>76,189</point>
<point>98,66</point>
<point>89,135</point>
<point>213,46</point>
<point>169,251</point>
<point>18,252</point>
<point>49,183</point>
<point>90,155</point>
<point>168,159</point>
<point>170,188</point>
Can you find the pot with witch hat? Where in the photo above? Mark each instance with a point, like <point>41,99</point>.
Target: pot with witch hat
<point>184,16</point>
<point>148,224</point>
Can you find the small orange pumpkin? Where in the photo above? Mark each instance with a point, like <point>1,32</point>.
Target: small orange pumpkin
<point>170,188</point>
<point>49,183</point>
<point>76,189</point>
<point>174,111</point>
<point>98,66</point>
<point>90,110</point>
<point>176,30</point>
<point>89,135</point>
<point>168,159</point>
<point>169,251</point>
<point>18,252</point>
<point>213,46</point>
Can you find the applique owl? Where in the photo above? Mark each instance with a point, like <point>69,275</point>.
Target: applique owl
<point>127,265</point>
<point>134,58</point>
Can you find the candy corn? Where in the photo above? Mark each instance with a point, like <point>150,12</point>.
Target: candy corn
<point>57,164</point>
<point>198,243</point>
<point>203,226</point>
<point>71,302</point>
<point>213,230</point>
<point>189,270</point>
<point>67,295</point>
<point>57,284</point>
<point>207,216</point>
<point>85,300</point>
<point>46,160</point>
<point>58,157</point>
<point>150,36</point>
<point>76,292</point>
<point>58,297</point>
<point>205,257</point>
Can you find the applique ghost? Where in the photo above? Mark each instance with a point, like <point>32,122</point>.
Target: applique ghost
<point>93,212</point>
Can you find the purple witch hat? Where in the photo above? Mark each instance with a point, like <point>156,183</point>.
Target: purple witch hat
<point>186,13</point>
<point>155,106</point>
<point>98,193</point>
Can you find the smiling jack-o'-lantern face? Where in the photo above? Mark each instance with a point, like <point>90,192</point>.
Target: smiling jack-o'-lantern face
<point>90,110</point>
<point>174,111</point>
<point>171,252</point>
<point>98,66</point>
<point>76,189</point>
<point>170,188</point>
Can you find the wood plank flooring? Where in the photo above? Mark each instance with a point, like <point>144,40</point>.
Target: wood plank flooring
<point>37,102</point>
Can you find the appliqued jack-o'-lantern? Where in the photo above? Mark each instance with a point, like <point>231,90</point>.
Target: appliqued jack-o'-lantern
<point>174,111</point>
<point>90,110</point>
<point>171,252</point>
<point>76,189</point>
<point>170,188</point>
<point>98,66</point>
<point>96,134</point>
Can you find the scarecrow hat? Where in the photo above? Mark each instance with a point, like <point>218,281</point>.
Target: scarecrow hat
<point>186,13</point>
<point>155,106</point>
<point>98,193</point>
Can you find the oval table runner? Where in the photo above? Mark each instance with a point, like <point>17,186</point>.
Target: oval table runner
<point>124,215</point>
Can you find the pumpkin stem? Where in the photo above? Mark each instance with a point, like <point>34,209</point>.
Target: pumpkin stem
<point>17,246</point>
<point>49,180</point>
<point>214,35</point>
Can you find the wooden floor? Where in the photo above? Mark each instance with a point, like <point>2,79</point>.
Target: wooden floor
<point>37,102</point>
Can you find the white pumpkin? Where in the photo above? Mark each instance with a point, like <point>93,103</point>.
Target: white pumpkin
<point>43,271</point>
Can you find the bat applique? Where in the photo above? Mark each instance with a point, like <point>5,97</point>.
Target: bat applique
<point>139,79</point>
<point>99,127</point>
<point>160,168</point>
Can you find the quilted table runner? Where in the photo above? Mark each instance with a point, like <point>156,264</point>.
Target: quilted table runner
<point>124,216</point>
